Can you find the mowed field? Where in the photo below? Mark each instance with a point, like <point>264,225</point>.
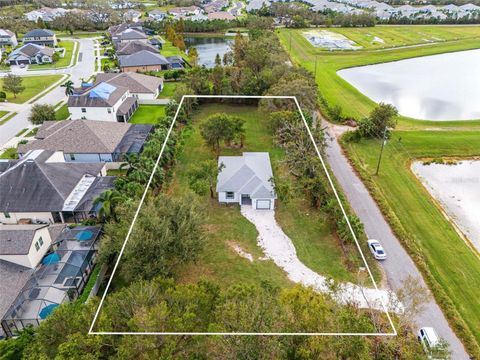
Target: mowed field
<point>337,91</point>
<point>308,228</point>
<point>453,269</point>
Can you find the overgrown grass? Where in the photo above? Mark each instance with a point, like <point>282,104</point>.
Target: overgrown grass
<point>308,228</point>
<point>148,114</point>
<point>33,86</point>
<point>337,91</point>
<point>451,268</point>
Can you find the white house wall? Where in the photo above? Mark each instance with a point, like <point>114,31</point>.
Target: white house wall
<point>222,197</point>
<point>34,255</point>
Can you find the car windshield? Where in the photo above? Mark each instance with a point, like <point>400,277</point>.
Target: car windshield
<point>380,251</point>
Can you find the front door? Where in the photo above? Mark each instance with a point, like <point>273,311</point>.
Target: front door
<point>246,200</point>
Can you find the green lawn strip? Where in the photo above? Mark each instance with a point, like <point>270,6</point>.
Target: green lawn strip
<point>169,50</point>
<point>3,113</point>
<point>168,90</point>
<point>63,61</point>
<point>79,35</point>
<point>337,91</point>
<point>9,153</point>
<point>148,114</point>
<point>62,113</point>
<point>33,86</point>
<point>3,121</point>
<point>21,132</point>
<point>116,172</point>
<point>90,284</point>
<point>308,228</point>
<point>32,132</point>
<point>449,266</point>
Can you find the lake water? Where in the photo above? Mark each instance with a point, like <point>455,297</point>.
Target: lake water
<point>438,87</point>
<point>457,189</point>
<point>208,48</point>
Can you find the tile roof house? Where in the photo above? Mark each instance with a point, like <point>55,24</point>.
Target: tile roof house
<point>246,180</point>
<point>140,86</point>
<point>31,54</point>
<point>102,101</point>
<point>148,61</point>
<point>8,38</point>
<point>43,188</point>
<point>89,140</point>
<point>132,47</point>
<point>40,37</point>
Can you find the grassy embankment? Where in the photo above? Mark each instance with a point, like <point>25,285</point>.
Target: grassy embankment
<point>309,229</point>
<point>33,86</point>
<point>337,91</point>
<point>450,267</point>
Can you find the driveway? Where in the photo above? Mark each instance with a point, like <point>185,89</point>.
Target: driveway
<point>84,68</point>
<point>399,266</point>
<point>278,247</point>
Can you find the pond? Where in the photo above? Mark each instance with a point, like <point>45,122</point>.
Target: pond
<point>438,87</point>
<point>457,190</point>
<point>208,48</point>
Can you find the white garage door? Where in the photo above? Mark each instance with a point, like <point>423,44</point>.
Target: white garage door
<point>263,204</point>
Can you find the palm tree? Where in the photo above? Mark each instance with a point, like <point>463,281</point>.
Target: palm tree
<point>108,200</point>
<point>69,88</point>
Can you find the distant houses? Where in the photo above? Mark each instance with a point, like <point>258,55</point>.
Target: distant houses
<point>157,15</point>
<point>43,37</point>
<point>46,14</point>
<point>31,53</point>
<point>148,61</point>
<point>7,38</point>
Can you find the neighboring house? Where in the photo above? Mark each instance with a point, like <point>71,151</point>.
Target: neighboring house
<point>129,35</point>
<point>46,14</point>
<point>89,140</point>
<point>157,15</point>
<point>7,38</point>
<point>29,295</point>
<point>31,54</point>
<point>215,6</point>
<point>102,101</point>
<point>141,86</point>
<point>133,47</point>
<point>184,12</point>
<point>132,16</point>
<point>148,61</point>
<point>43,188</point>
<point>156,43</point>
<point>24,245</point>
<point>40,37</point>
<point>246,180</point>
<point>220,15</point>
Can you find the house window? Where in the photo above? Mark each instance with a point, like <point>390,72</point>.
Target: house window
<point>230,195</point>
<point>72,157</point>
<point>84,110</point>
<point>40,241</point>
<point>109,110</point>
<point>37,247</point>
<point>7,215</point>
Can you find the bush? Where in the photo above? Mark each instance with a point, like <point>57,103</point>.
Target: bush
<point>3,95</point>
<point>41,113</point>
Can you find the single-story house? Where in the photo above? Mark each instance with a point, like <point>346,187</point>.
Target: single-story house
<point>102,101</point>
<point>141,86</point>
<point>31,54</point>
<point>157,15</point>
<point>43,188</point>
<point>40,37</point>
<point>184,12</point>
<point>246,180</point>
<point>220,15</point>
<point>148,61</point>
<point>132,47</point>
<point>89,140</point>
<point>46,14</point>
<point>128,35</point>
<point>8,38</point>
<point>132,16</point>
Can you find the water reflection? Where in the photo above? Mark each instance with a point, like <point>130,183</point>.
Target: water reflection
<point>208,48</point>
<point>438,87</point>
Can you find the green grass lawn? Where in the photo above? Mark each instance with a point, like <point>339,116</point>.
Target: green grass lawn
<point>308,228</point>
<point>10,153</point>
<point>107,61</point>
<point>62,113</point>
<point>168,90</point>
<point>169,50</point>
<point>453,269</point>
<point>3,113</point>
<point>337,91</point>
<point>33,86</point>
<point>63,61</point>
<point>148,114</point>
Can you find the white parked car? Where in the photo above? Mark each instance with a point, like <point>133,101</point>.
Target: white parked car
<point>429,339</point>
<point>377,249</point>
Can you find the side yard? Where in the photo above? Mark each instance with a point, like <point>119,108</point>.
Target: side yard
<point>33,86</point>
<point>64,61</point>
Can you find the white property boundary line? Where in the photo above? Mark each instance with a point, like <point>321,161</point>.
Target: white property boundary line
<point>91,332</point>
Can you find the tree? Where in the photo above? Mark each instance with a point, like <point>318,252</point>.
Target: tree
<point>222,127</point>
<point>193,55</point>
<point>107,201</point>
<point>203,177</point>
<point>69,87</point>
<point>218,60</point>
<point>380,120</point>
<point>41,113</point>
<point>13,83</point>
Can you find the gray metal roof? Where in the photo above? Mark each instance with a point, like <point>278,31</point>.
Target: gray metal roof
<point>34,185</point>
<point>247,174</point>
<point>17,239</point>
<point>142,58</point>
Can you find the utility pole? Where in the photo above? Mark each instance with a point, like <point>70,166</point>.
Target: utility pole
<point>384,140</point>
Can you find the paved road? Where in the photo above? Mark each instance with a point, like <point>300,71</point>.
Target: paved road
<point>84,68</point>
<point>399,265</point>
